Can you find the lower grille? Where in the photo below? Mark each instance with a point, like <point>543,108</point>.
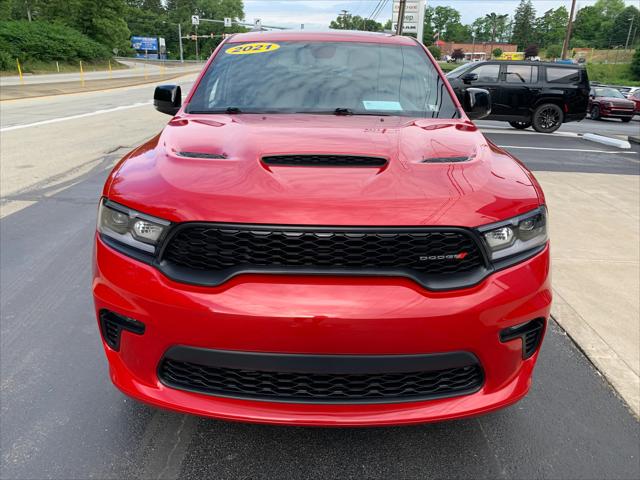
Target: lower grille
<point>112,324</point>
<point>318,387</point>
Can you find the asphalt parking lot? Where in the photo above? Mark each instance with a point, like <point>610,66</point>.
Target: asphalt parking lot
<point>61,417</point>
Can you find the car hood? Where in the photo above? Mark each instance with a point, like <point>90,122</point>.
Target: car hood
<point>619,102</point>
<point>417,186</point>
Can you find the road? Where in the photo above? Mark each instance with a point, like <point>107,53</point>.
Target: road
<point>61,418</point>
<point>134,69</point>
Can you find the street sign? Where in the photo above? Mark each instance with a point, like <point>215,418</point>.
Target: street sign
<point>257,23</point>
<point>408,17</point>
<point>144,43</point>
<point>227,22</point>
<point>412,6</point>
<point>413,17</point>
<point>195,19</point>
<point>406,27</point>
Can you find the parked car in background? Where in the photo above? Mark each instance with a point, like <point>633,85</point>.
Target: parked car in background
<point>635,98</point>
<point>539,94</point>
<point>628,91</point>
<point>608,102</point>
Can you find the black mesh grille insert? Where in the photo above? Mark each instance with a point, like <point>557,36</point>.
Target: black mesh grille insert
<point>414,252</point>
<point>317,387</point>
<point>324,161</point>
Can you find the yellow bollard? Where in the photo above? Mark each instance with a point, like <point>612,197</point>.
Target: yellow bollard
<point>109,69</point>
<point>20,71</point>
<point>81,74</point>
<point>57,66</point>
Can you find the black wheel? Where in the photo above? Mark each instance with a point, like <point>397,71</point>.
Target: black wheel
<point>595,113</point>
<point>626,119</point>
<point>520,125</point>
<point>547,118</point>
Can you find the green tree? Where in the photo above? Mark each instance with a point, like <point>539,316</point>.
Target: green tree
<point>523,24</point>
<point>551,27</point>
<point>554,51</point>
<point>495,21</point>
<point>435,51</point>
<point>457,32</point>
<point>496,52</point>
<point>355,22</point>
<point>622,24</point>
<point>104,22</point>
<point>444,18</point>
<point>635,64</point>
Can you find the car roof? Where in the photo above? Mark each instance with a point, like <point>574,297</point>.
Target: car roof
<point>529,62</point>
<point>325,36</point>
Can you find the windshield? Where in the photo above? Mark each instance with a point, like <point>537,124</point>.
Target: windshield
<point>456,72</point>
<point>608,92</point>
<point>323,77</point>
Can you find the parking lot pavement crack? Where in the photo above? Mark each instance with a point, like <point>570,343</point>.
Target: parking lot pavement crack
<point>500,466</point>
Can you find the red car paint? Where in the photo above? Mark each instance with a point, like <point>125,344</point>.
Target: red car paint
<point>327,314</point>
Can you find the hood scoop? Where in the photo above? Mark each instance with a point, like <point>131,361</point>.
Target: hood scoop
<point>324,161</point>
<point>201,155</point>
<point>446,159</point>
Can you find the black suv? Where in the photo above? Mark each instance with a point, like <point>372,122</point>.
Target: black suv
<point>539,94</point>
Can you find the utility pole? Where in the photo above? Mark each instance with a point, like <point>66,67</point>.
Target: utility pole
<point>401,8</point>
<point>197,54</point>
<point>629,34</point>
<point>343,14</point>
<point>565,44</point>
<point>180,42</point>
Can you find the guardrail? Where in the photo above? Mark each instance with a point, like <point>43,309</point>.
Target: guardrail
<point>166,63</point>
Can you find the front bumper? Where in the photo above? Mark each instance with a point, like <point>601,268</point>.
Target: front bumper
<point>321,315</point>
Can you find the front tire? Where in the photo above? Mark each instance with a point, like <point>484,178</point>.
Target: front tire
<point>595,113</point>
<point>520,125</point>
<point>547,118</point>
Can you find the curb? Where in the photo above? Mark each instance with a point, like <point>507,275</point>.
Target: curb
<point>613,142</point>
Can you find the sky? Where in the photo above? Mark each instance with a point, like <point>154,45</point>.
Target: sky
<point>316,14</point>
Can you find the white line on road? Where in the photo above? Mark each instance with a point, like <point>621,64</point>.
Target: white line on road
<point>565,149</point>
<point>73,117</point>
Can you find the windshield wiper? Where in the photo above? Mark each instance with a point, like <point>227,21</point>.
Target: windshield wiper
<point>343,111</point>
<point>230,110</point>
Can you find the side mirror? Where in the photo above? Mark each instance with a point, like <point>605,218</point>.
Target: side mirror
<point>469,77</point>
<point>477,103</point>
<point>167,99</point>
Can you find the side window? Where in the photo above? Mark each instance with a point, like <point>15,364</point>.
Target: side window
<point>563,75</point>
<point>521,74</point>
<point>487,73</point>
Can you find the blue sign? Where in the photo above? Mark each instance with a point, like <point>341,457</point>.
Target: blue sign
<point>145,43</point>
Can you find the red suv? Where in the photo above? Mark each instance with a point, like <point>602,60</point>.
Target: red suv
<point>321,236</point>
<point>606,102</point>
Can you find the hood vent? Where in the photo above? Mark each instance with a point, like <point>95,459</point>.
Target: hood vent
<point>201,155</point>
<point>445,160</point>
<point>324,161</point>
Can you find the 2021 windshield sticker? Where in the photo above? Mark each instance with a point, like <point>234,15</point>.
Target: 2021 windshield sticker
<point>251,48</point>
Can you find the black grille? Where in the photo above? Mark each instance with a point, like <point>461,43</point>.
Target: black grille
<point>225,249</point>
<point>318,387</point>
<point>324,161</point>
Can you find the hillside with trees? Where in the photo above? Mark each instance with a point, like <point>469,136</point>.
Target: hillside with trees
<point>94,30</point>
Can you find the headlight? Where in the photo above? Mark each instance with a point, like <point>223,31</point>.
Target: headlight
<point>516,235</point>
<point>130,227</point>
